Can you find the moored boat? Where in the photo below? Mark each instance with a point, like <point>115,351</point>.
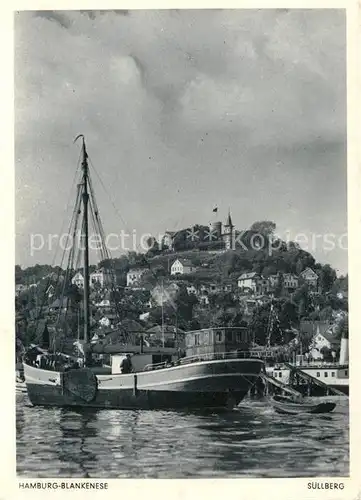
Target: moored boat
<point>293,406</point>
<point>216,371</point>
<point>216,381</point>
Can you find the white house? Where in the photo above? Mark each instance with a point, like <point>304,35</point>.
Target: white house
<point>204,299</point>
<point>320,340</point>
<point>192,290</point>
<point>248,280</point>
<point>104,277</point>
<point>182,266</point>
<point>104,303</point>
<point>104,321</point>
<point>162,294</point>
<point>310,277</point>
<point>290,281</point>
<point>78,280</point>
<point>134,276</point>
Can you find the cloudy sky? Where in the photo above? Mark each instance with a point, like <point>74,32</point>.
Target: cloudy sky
<point>182,111</point>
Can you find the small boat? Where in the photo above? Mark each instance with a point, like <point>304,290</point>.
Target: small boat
<point>291,406</point>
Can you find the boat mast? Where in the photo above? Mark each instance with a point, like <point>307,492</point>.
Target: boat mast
<point>85,197</point>
<point>163,312</point>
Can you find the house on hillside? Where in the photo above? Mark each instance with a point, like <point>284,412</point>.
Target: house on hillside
<point>162,294</point>
<point>203,299</point>
<point>59,305</point>
<point>310,277</point>
<point>134,276</point>
<point>78,280</point>
<point>322,340</point>
<point>211,288</point>
<point>103,303</point>
<point>168,239</point>
<point>103,277</point>
<point>192,290</point>
<point>274,280</point>
<point>262,285</point>
<point>290,282</point>
<point>182,266</point>
<point>248,281</point>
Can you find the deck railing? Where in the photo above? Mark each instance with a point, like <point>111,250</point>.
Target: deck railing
<point>212,356</point>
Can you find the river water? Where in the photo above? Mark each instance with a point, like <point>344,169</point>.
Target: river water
<point>250,441</point>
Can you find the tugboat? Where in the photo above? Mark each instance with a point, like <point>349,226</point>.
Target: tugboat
<point>216,373</point>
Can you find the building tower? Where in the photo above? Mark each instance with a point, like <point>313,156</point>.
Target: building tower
<point>228,235</point>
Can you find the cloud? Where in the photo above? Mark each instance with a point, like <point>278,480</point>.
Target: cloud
<point>188,101</point>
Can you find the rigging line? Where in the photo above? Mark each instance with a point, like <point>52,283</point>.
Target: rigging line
<point>98,228</point>
<point>74,220</point>
<point>110,198</point>
<point>98,222</point>
<point>99,246</point>
<point>106,191</point>
<point>106,253</point>
<point>68,203</point>
<point>105,256</point>
<point>56,252</point>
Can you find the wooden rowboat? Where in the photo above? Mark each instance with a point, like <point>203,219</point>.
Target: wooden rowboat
<point>291,406</point>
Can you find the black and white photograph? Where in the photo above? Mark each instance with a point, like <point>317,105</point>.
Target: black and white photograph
<point>181,244</point>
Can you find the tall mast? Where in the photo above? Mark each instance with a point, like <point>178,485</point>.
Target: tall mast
<point>163,312</point>
<point>85,197</point>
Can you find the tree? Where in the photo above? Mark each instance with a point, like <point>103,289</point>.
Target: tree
<point>279,286</point>
<point>327,277</point>
<point>326,354</point>
<point>227,318</point>
<point>302,300</point>
<point>341,329</point>
<point>299,266</point>
<point>326,313</point>
<point>264,227</point>
<point>259,324</point>
<point>287,316</point>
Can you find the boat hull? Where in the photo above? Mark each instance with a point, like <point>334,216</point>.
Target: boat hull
<point>208,384</point>
<point>281,405</point>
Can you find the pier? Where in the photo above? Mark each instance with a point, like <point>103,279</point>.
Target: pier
<point>304,381</point>
<point>271,383</point>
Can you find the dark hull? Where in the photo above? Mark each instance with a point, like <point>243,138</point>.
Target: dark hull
<point>146,400</point>
<point>205,385</point>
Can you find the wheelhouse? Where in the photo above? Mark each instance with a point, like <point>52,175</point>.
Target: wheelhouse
<point>216,340</point>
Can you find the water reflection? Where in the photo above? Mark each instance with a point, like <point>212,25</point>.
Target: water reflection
<point>252,441</point>
<point>74,445</point>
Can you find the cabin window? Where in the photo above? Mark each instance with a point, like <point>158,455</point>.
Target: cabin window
<point>280,374</point>
<point>346,373</point>
<point>317,374</point>
<point>326,374</point>
<point>219,336</point>
<point>332,374</point>
<point>229,336</point>
<point>206,338</point>
<point>196,340</point>
<point>238,337</point>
